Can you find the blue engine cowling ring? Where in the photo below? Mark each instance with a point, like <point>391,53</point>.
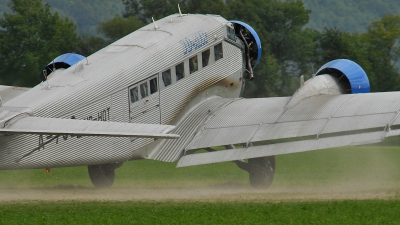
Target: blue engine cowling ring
<point>358,79</point>
<point>63,61</point>
<point>254,36</point>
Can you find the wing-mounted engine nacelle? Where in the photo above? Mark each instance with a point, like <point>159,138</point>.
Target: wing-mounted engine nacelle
<point>348,74</point>
<point>61,62</point>
<point>340,76</point>
<point>252,43</point>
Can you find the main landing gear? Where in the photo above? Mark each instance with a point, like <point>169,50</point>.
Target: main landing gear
<point>261,171</point>
<point>102,176</point>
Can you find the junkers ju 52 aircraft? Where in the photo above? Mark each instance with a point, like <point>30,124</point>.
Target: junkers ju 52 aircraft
<point>172,88</point>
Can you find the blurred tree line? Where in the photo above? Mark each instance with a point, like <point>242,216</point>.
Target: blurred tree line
<point>32,36</point>
<point>348,15</point>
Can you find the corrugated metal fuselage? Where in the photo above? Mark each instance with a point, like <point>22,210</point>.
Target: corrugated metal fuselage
<point>100,88</point>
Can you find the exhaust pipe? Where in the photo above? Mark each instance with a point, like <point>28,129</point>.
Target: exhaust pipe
<point>249,69</point>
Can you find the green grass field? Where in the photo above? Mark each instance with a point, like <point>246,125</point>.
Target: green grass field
<point>370,169</point>
<point>336,212</point>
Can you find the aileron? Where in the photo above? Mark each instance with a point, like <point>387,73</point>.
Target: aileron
<point>279,149</point>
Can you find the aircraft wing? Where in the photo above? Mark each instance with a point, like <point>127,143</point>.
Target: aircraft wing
<point>317,122</point>
<point>9,92</point>
<point>56,126</point>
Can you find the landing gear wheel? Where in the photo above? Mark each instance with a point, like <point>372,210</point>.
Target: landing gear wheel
<point>261,171</point>
<point>102,176</point>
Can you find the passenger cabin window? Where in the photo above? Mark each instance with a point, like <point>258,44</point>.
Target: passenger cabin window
<point>231,33</point>
<point>134,94</point>
<point>205,57</point>
<point>218,51</point>
<point>166,77</point>
<point>144,90</point>
<point>193,65</point>
<point>180,71</point>
<point>153,85</point>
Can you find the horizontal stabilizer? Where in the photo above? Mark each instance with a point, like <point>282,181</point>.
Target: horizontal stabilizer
<point>56,126</point>
<point>279,149</point>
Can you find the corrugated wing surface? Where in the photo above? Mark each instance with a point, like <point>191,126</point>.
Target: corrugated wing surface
<point>56,126</point>
<point>278,149</point>
<point>324,118</point>
<point>8,92</point>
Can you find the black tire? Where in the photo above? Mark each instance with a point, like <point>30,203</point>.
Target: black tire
<point>102,176</point>
<point>261,172</point>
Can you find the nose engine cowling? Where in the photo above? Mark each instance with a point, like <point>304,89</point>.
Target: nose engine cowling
<point>252,43</point>
<point>61,62</point>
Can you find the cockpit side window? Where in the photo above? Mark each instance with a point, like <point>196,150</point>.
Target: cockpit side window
<point>231,33</point>
<point>205,57</point>
<point>166,77</point>
<point>193,64</point>
<point>134,94</point>
<point>180,71</point>
<point>218,51</point>
<point>153,85</point>
<point>144,90</point>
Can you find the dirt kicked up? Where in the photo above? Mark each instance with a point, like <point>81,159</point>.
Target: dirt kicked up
<point>218,193</point>
<point>335,174</point>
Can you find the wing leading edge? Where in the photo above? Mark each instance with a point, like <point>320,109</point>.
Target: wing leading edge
<point>318,122</point>
<point>56,126</point>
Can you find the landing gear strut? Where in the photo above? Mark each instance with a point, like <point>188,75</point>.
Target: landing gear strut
<point>102,176</point>
<point>261,171</point>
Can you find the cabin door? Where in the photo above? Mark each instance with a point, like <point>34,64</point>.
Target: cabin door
<point>144,101</point>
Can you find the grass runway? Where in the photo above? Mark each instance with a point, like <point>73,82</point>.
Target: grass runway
<point>336,212</point>
<point>352,185</point>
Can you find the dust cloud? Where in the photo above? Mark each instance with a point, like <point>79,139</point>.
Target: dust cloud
<point>217,193</point>
<point>370,173</point>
